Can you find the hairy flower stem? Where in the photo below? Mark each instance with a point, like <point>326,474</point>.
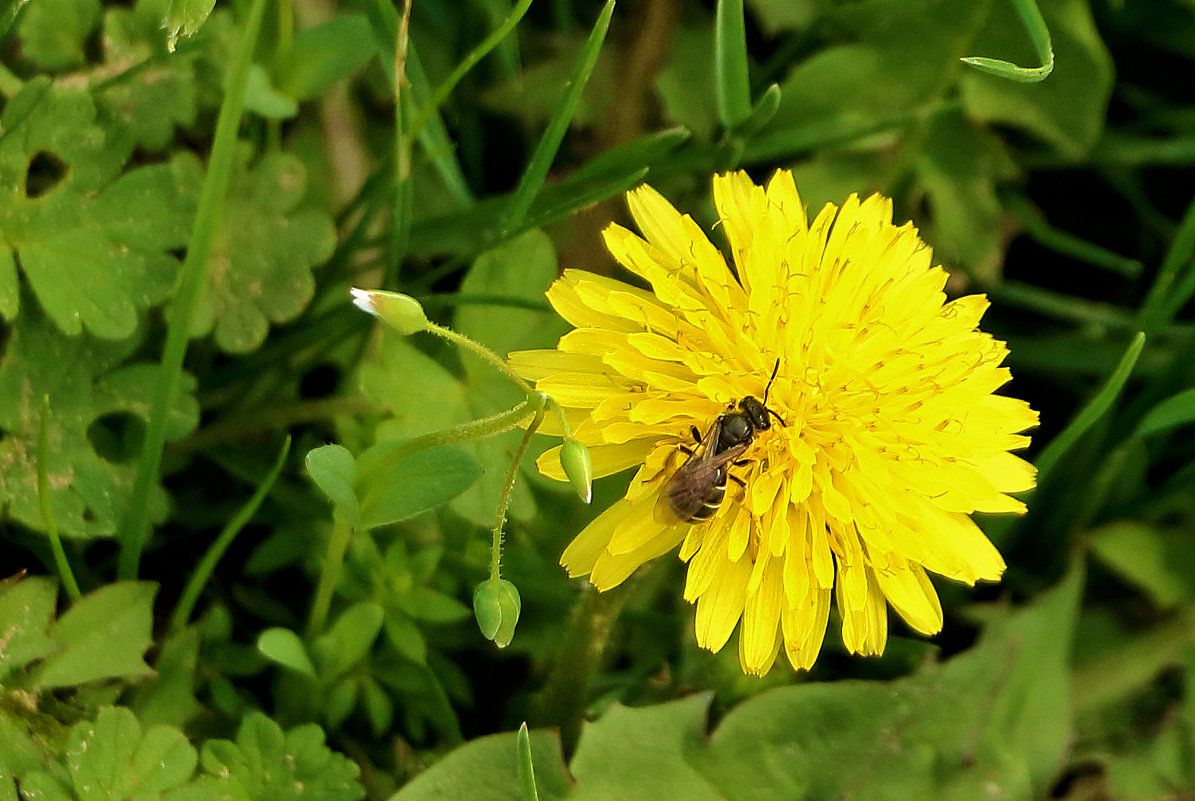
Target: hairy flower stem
<point>536,401</point>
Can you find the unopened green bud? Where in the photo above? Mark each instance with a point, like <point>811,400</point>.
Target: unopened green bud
<point>496,605</point>
<point>574,458</point>
<point>401,312</point>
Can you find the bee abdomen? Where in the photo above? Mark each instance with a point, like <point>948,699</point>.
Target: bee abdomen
<point>710,506</point>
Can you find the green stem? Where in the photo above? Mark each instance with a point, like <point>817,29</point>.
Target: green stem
<point>207,565</point>
<point>403,195</point>
<point>135,531</point>
<point>43,501</point>
<point>536,402</point>
<point>465,432</point>
<point>338,545</point>
<point>482,351</point>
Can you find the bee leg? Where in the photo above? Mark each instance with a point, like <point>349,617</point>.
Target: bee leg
<point>696,434</point>
<point>742,491</point>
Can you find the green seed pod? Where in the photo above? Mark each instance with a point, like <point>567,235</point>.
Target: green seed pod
<point>401,312</point>
<point>496,604</point>
<point>574,458</point>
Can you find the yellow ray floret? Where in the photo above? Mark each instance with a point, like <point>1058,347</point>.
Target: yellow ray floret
<point>886,433</point>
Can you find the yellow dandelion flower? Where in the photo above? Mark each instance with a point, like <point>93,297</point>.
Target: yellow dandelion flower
<point>885,434</point>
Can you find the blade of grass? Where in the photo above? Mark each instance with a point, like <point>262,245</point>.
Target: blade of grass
<point>526,766</point>
<point>1177,410</point>
<point>732,85</point>
<point>467,63</point>
<point>549,143</point>
<point>1176,278</point>
<point>1095,409</point>
<point>61,564</point>
<point>9,19</point>
<point>134,533</point>
<point>1062,306</point>
<point>400,232</point>
<point>434,137</point>
<point>1059,241</point>
<point>207,565</point>
<point>1039,35</point>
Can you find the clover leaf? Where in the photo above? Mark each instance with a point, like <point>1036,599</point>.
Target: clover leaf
<point>54,33</point>
<point>261,264</point>
<point>267,764</point>
<point>93,243</point>
<point>94,397</point>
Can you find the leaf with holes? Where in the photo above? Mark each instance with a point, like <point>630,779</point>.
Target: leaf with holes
<point>92,242</point>
<point>97,408</point>
<point>262,260</point>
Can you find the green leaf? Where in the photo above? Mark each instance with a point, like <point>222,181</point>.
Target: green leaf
<point>1068,109</point>
<point>427,604</point>
<point>1039,36</point>
<point>960,167</point>
<point>54,33</point>
<point>262,264</point>
<point>1177,410</point>
<point>333,470</point>
<point>686,82</point>
<point>105,634</point>
<point>348,642</point>
<point>26,608</point>
<point>89,471</point>
<point>93,244</point>
<point>486,769</point>
<point>170,697</point>
<point>150,102</point>
<point>262,98</point>
<point>266,763</point>
<point>732,86</point>
<point>324,54</point>
<point>185,18</point>
<point>284,647</point>
<point>416,483</point>
<point>1158,562</point>
<point>110,760</point>
<point>521,268</point>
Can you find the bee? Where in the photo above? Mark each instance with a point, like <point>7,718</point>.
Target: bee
<point>695,492</point>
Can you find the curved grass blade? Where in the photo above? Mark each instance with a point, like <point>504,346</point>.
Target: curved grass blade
<point>549,143</point>
<point>135,531</point>
<point>207,565</point>
<point>1172,288</point>
<point>1039,35</point>
<point>1066,243</point>
<point>1095,409</point>
<point>732,87</point>
<point>1177,410</point>
<point>526,767</point>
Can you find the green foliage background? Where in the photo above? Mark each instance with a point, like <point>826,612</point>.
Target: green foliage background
<point>229,578</point>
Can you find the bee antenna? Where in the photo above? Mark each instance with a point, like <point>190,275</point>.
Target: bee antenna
<point>768,388</point>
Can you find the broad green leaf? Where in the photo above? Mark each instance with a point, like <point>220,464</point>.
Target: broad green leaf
<point>960,168</point>
<point>522,268</point>
<point>105,634</point>
<point>1160,563</point>
<point>170,697</point>
<point>261,265</point>
<point>324,54</point>
<point>18,753</point>
<point>90,473</point>
<point>110,759</point>
<point>415,389</point>
<point>26,608</point>
<point>486,769</point>
<point>284,647</point>
<point>423,480</point>
<point>775,16</point>
<point>423,603</point>
<point>350,639</point>
<point>267,763</point>
<point>161,95</point>
<point>93,244</point>
<point>54,33</point>
<point>1067,109</point>
<point>333,470</point>
<point>1177,410</point>
<point>686,83</point>
<point>993,722</point>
